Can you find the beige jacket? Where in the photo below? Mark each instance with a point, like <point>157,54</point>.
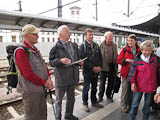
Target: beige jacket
<point>105,64</point>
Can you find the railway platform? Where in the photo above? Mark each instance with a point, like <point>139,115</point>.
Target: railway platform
<point>111,111</point>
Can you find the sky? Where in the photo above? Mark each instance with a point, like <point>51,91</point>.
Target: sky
<point>109,11</point>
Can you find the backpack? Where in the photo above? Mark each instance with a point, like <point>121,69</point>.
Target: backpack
<point>12,76</point>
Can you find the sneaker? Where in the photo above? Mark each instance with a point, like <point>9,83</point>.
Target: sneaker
<point>97,105</point>
<point>71,117</point>
<point>100,100</point>
<point>85,107</point>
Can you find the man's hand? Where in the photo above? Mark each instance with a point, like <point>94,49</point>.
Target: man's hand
<point>81,63</point>
<point>129,60</point>
<point>97,69</point>
<point>65,60</point>
<point>133,87</point>
<point>157,98</point>
<point>49,84</point>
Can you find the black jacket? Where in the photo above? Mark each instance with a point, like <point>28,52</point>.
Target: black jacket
<point>94,57</point>
<point>64,76</point>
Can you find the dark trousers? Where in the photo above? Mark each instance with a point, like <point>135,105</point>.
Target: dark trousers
<point>103,76</point>
<point>89,79</point>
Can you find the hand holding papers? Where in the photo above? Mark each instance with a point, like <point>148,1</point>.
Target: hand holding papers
<point>76,62</point>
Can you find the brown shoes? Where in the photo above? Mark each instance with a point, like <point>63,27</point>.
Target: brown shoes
<point>86,108</point>
<point>97,105</point>
<point>125,109</point>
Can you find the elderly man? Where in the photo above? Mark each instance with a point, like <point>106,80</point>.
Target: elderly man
<point>91,69</point>
<point>66,75</point>
<point>109,66</point>
<point>33,77</point>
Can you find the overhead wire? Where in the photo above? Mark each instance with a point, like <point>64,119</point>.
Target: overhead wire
<point>137,7</point>
<point>57,7</point>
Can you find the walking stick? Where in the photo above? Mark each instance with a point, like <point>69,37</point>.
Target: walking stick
<point>52,101</point>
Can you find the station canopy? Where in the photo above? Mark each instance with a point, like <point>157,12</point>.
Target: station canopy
<point>13,20</point>
<point>151,26</point>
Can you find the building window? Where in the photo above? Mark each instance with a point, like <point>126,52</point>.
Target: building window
<point>1,38</point>
<point>42,39</point>
<point>48,39</point>
<point>77,12</point>
<point>53,39</point>
<point>77,40</point>
<point>13,38</point>
<point>72,12</point>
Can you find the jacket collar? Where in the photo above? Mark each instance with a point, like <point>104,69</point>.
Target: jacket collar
<point>29,47</point>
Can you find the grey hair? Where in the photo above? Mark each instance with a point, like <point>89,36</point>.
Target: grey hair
<point>147,44</point>
<point>60,29</point>
<point>106,33</point>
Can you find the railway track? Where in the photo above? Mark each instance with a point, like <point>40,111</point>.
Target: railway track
<point>13,109</point>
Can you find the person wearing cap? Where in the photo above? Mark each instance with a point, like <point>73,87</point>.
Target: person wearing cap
<point>61,55</point>
<point>33,75</point>
<point>125,59</point>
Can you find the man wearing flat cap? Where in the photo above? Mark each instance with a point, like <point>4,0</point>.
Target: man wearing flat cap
<point>33,75</point>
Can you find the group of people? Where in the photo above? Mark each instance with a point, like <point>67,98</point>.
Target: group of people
<point>139,71</point>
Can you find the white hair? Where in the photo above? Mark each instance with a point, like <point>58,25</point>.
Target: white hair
<point>60,29</point>
<point>147,44</point>
<point>107,33</point>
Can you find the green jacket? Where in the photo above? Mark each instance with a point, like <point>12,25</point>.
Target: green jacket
<point>105,64</point>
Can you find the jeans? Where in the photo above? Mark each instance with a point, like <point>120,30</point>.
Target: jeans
<point>135,104</point>
<point>86,86</point>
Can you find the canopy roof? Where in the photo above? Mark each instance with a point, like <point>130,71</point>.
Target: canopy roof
<point>16,20</point>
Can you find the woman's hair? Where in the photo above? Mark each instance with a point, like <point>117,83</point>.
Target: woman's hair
<point>147,44</point>
<point>132,36</point>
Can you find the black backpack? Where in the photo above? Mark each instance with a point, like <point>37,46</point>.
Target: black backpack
<point>12,76</point>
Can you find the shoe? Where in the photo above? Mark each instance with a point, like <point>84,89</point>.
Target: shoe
<point>71,117</point>
<point>109,100</point>
<point>97,105</point>
<point>58,118</point>
<point>85,107</point>
<point>125,109</point>
<point>100,100</point>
